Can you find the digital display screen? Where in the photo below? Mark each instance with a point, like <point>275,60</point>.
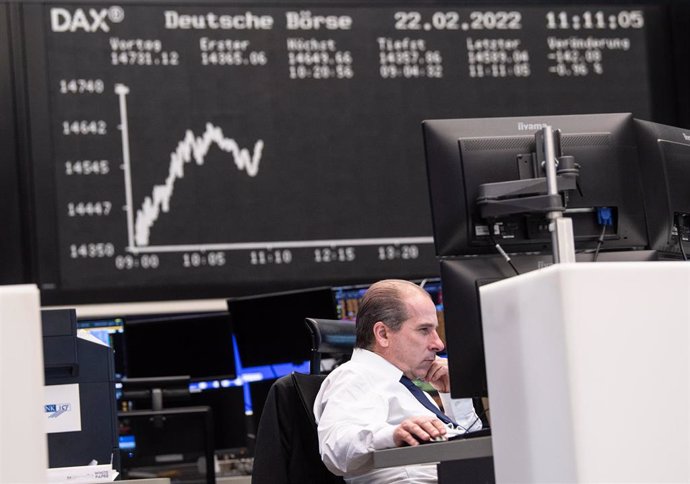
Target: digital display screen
<point>240,148</point>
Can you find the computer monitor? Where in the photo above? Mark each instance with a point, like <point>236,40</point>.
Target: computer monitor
<point>270,328</point>
<point>175,442</point>
<point>665,167</point>
<point>111,332</point>
<point>462,278</point>
<point>229,421</point>
<point>347,299</point>
<point>462,154</point>
<point>195,345</point>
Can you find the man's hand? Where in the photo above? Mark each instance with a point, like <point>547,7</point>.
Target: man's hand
<point>437,375</point>
<point>414,430</point>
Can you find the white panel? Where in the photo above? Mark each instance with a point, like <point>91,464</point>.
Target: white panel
<point>23,444</point>
<point>589,373</point>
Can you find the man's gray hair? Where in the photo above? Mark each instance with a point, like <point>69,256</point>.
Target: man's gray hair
<point>384,301</point>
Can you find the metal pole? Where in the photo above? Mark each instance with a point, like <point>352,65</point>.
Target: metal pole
<point>561,228</point>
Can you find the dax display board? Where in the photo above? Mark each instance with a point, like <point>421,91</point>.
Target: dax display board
<point>229,148</point>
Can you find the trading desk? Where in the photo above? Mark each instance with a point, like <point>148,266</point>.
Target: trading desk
<point>469,458</point>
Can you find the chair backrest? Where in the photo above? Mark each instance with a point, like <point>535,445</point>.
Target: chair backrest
<point>329,336</point>
<point>287,445</point>
<point>307,387</point>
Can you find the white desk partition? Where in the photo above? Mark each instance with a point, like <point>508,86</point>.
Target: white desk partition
<point>588,370</point>
<point>23,444</point>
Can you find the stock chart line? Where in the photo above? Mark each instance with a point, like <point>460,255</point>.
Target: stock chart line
<point>195,148</point>
<point>121,90</point>
<point>191,148</point>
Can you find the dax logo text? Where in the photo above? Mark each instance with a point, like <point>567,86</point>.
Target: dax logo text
<point>57,409</point>
<point>91,20</point>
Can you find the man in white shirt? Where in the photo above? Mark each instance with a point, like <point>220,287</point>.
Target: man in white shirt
<point>364,405</point>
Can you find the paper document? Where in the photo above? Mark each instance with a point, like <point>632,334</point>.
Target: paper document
<point>96,473</point>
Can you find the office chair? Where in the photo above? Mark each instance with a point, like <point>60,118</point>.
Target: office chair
<point>333,337</point>
<point>287,445</point>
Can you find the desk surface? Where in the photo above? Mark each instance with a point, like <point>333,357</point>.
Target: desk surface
<point>436,452</point>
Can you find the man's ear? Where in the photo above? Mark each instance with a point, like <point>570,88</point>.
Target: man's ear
<point>381,334</point>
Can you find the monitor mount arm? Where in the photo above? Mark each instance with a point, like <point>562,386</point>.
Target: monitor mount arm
<point>538,194</point>
<point>156,389</point>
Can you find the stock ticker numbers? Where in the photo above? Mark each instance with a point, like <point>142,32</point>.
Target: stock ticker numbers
<point>593,35</point>
<point>237,144</point>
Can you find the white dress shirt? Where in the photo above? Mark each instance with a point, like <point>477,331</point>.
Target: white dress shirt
<point>358,408</point>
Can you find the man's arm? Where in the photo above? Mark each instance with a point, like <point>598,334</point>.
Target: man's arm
<point>353,422</point>
<point>461,410</point>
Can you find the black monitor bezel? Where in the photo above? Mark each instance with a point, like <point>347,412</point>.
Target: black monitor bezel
<point>194,442</point>
<point>462,278</point>
<point>662,190</point>
<point>452,212</point>
<point>257,345</point>
<point>136,355</point>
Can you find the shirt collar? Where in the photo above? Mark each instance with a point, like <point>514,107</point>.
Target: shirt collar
<point>377,363</point>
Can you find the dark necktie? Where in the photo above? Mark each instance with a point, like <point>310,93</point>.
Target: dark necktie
<point>419,395</point>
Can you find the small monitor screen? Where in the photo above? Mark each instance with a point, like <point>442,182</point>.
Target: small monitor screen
<point>463,154</point>
<point>270,328</point>
<point>347,299</point>
<point>194,345</point>
<point>172,442</point>
<point>110,332</point>
<point>229,420</point>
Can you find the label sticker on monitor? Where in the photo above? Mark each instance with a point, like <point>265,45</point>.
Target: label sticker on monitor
<point>61,408</point>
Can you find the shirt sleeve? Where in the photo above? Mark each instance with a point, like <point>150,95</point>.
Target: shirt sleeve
<point>461,410</point>
<point>351,424</point>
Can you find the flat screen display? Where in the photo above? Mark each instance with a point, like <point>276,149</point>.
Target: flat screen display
<point>270,328</point>
<point>464,154</point>
<point>665,165</point>
<point>197,345</point>
<point>217,149</point>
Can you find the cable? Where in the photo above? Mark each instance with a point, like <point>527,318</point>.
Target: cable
<point>680,244</point>
<point>507,258</point>
<point>478,418</point>
<point>679,234</point>
<point>500,249</point>
<point>599,243</point>
<point>604,218</point>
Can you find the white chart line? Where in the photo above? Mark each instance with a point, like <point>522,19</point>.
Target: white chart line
<point>199,146</point>
<point>121,90</point>
<point>292,244</point>
<point>190,149</point>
